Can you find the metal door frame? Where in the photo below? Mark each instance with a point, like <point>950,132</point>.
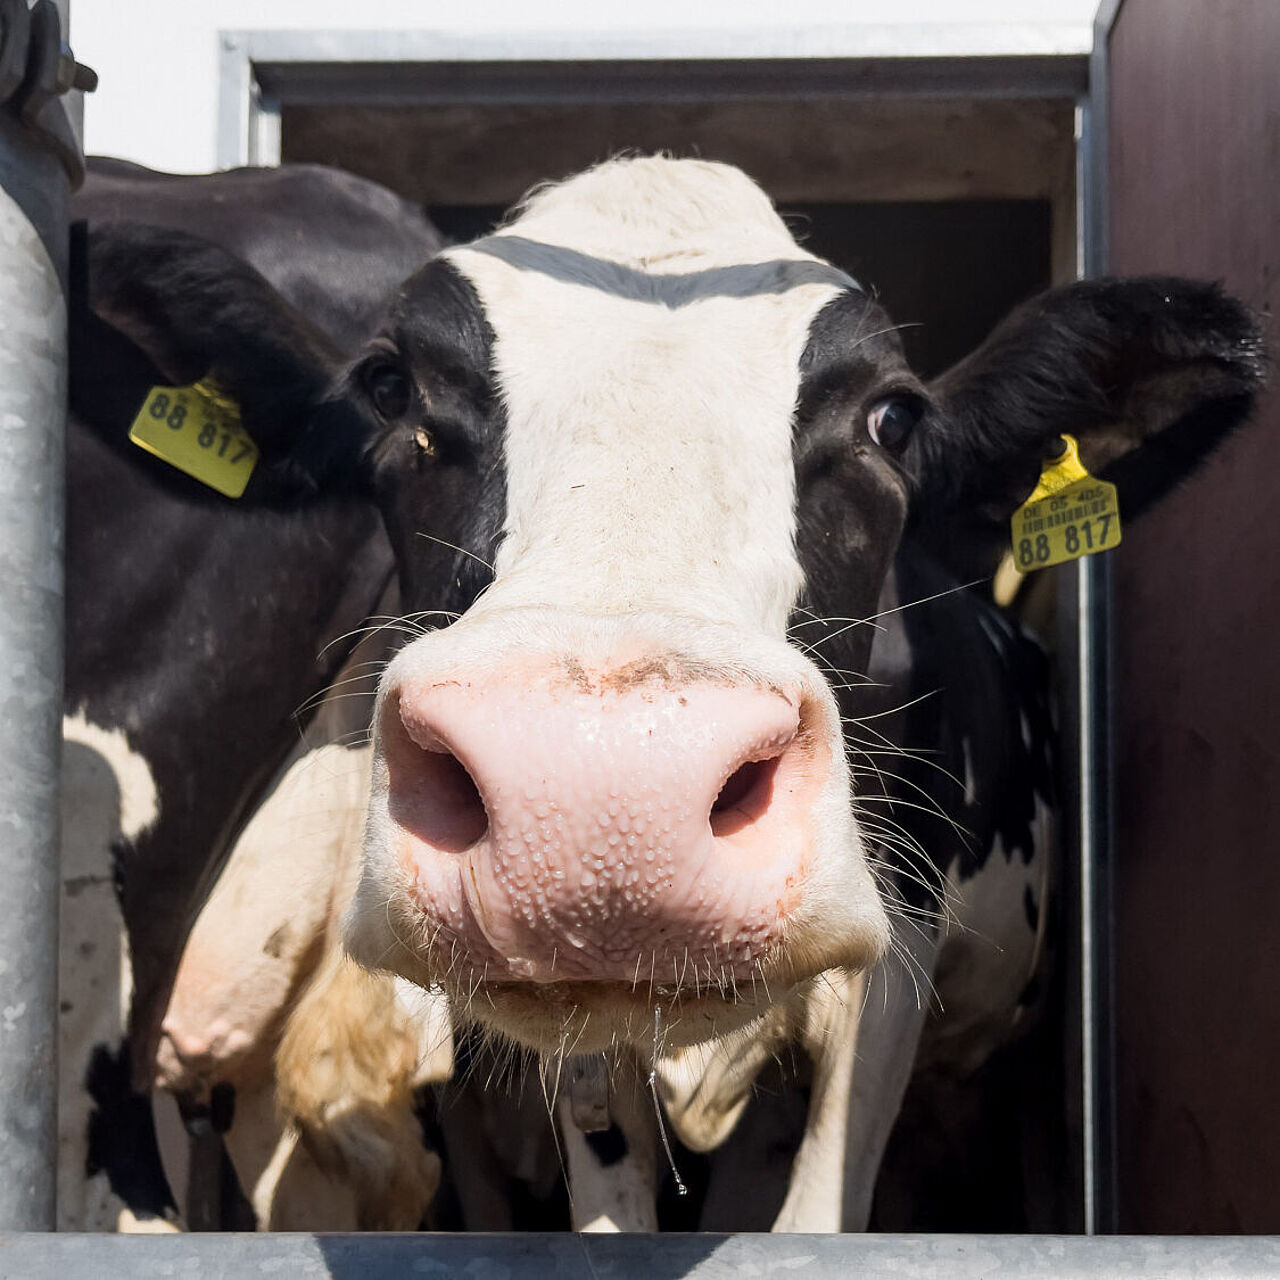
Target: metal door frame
<point>262,70</point>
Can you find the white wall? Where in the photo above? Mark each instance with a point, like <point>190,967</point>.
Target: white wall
<point>158,59</point>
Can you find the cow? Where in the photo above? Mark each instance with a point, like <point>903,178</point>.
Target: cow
<point>637,439</point>
<point>197,626</point>
<point>611,804</point>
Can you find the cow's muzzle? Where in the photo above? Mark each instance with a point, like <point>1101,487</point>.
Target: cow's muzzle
<point>585,828</point>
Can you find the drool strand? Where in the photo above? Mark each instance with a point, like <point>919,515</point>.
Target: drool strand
<point>681,1189</point>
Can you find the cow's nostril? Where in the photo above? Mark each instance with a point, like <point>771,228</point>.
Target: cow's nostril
<point>744,796</point>
<point>448,812</point>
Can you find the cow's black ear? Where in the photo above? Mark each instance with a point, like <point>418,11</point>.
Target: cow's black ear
<point>197,311</point>
<point>1148,374</point>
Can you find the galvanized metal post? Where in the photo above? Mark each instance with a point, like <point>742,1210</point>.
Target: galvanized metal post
<point>1091,610</point>
<point>38,155</point>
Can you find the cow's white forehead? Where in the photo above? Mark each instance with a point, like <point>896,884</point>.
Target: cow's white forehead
<point>649,319</point>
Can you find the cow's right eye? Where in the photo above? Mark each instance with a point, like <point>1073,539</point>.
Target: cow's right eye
<point>388,389</point>
<point>891,422</point>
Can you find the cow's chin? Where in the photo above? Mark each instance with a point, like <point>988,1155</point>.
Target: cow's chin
<point>581,1017</point>
<point>574,1018</point>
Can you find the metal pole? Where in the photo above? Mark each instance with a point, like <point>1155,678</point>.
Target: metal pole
<point>35,177</point>
<point>1092,612</point>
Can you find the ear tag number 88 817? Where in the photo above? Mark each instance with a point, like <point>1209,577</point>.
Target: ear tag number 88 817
<point>1070,514</point>
<point>197,429</point>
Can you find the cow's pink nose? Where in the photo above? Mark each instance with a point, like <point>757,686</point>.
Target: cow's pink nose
<point>581,830</point>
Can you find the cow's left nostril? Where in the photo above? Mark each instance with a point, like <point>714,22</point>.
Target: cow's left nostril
<point>744,796</point>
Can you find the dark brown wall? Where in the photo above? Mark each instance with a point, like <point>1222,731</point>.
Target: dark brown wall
<point>850,150</point>
<point>1195,189</point>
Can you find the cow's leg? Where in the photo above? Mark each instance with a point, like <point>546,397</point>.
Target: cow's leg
<point>852,1112</point>
<point>477,1171</point>
<point>260,934</point>
<point>612,1171</point>
<point>830,1035</point>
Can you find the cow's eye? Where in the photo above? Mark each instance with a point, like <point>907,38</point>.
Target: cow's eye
<point>388,389</point>
<point>891,421</point>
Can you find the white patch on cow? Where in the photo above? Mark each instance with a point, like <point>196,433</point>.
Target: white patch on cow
<point>108,792</point>
<point>129,1224</point>
<point>426,1010</point>
<point>985,963</point>
<point>649,317</point>
<point>705,1087</point>
<point>139,797</point>
<point>815,1196</point>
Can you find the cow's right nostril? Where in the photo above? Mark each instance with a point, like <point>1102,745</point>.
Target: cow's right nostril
<point>744,796</point>
<point>442,804</point>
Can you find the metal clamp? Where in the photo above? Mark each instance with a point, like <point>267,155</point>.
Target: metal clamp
<point>37,68</point>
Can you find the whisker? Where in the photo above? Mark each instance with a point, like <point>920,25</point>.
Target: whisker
<point>453,546</point>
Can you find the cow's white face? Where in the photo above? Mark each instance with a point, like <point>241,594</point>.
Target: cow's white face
<point>614,784</point>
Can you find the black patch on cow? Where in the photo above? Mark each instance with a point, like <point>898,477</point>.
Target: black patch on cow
<point>236,1211</point>
<point>214,1115</point>
<point>851,495</point>
<point>222,1107</point>
<point>122,1137</point>
<point>445,511</point>
<point>1030,909</point>
<point>607,1145</point>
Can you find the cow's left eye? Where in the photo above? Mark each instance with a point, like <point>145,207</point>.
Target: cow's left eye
<point>891,421</point>
<point>388,388</point>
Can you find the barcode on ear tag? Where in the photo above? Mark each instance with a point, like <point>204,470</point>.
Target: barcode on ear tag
<point>197,430</point>
<point>1070,514</point>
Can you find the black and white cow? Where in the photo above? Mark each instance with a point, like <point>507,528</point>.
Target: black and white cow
<point>638,438</point>
<point>611,804</point>
<point>197,626</point>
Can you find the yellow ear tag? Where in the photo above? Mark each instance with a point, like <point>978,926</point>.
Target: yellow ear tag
<point>197,429</point>
<point>1070,514</point>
